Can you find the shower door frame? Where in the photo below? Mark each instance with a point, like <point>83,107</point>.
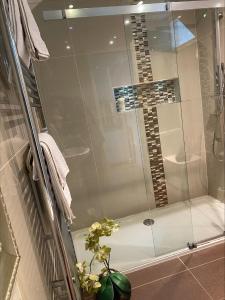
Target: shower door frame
<point>73,13</point>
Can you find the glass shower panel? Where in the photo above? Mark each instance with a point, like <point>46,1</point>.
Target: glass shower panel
<point>202,106</point>
<point>128,103</point>
<point>101,144</point>
<point>102,65</point>
<point>156,86</point>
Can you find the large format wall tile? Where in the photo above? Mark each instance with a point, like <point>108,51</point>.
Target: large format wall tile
<point>62,102</point>
<point>12,134</point>
<point>173,149</point>
<point>17,192</point>
<point>60,46</point>
<point>191,105</point>
<point>212,123</point>
<point>100,72</point>
<point>102,34</point>
<point>85,190</point>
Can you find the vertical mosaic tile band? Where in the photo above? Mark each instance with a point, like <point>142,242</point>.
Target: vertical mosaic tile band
<point>142,50</point>
<point>147,96</point>
<point>155,155</point>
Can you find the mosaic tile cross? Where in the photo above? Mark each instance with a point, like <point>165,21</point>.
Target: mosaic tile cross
<point>146,95</point>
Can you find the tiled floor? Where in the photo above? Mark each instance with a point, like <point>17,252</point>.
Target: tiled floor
<point>199,275</point>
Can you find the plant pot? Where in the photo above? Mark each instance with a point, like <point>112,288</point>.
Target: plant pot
<point>114,286</point>
<point>86,296</point>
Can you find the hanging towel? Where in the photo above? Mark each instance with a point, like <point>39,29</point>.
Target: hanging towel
<point>18,32</point>
<point>60,164</point>
<point>58,171</point>
<point>26,33</point>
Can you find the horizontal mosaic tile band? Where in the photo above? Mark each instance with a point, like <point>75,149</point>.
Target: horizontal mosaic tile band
<point>145,95</point>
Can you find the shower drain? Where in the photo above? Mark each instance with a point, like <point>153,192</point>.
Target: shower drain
<point>148,222</point>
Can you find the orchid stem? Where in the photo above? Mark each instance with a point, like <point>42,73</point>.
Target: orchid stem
<point>91,262</point>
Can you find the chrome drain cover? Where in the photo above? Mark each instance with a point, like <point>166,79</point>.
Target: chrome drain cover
<point>148,222</point>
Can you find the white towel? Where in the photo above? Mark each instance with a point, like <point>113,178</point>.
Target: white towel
<point>62,194</point>
<point>60,164</point>
<point>58,171</point>
<point>26,33</point>
<point>18,32</point>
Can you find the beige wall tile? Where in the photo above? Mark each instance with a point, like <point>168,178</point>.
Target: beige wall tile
<point>212,124</point>
<point>99,31</point>
<point>108,178</point>
<point>192,114</point>
<point>17,193</point>
<point>13,134</point>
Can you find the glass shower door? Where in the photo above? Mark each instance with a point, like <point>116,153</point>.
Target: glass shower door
<point>123,97</point>
<point>156,84</point>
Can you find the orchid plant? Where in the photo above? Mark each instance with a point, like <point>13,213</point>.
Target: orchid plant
<point>109,284</point>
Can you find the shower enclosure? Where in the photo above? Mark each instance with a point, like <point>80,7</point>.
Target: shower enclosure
<point>134,95</point>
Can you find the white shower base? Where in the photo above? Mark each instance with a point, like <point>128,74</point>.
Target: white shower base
<point>136,244</point>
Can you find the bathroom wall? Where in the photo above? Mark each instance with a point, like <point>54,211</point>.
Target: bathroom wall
<point>163,56</point>
<point>191,105</point>
<point>212,123</point>
<point>106,150</point>
<point>17,193</point>
<point>180,124</point>
<point>102,147</point>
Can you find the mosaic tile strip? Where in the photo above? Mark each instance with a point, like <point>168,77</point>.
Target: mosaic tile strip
<point>145,95</point>
<point>155,155</point>
<point>142,50</point>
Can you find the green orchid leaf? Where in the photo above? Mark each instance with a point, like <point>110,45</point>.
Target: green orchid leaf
<point>119,295</point>
<point>106,291</point>
<point>122,282</point>
<point>103,282</point>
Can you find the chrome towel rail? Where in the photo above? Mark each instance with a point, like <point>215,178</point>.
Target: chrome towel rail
<point>17,72</point>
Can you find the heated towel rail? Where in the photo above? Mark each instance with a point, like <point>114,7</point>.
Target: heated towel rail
<point>29,99</point>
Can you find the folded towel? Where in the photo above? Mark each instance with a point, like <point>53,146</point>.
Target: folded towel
<point>18,32</point>
<point>26,33</point>
<point>57,157</point>
<point>58,170</point>
<point>62,194</point>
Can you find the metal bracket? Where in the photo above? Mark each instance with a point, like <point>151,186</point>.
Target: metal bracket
<point>192,246</point>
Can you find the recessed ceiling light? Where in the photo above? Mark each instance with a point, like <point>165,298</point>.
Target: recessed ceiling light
<point>111,42</point>
<point>71,6</point>
<point>179,17</point>
<point>127,21</point>
<point>140,3</point>
<point>70,27</point>
<point>68,47</point>
<point>115,37</point>
<point>154,37</point>
<point>204,15</point>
